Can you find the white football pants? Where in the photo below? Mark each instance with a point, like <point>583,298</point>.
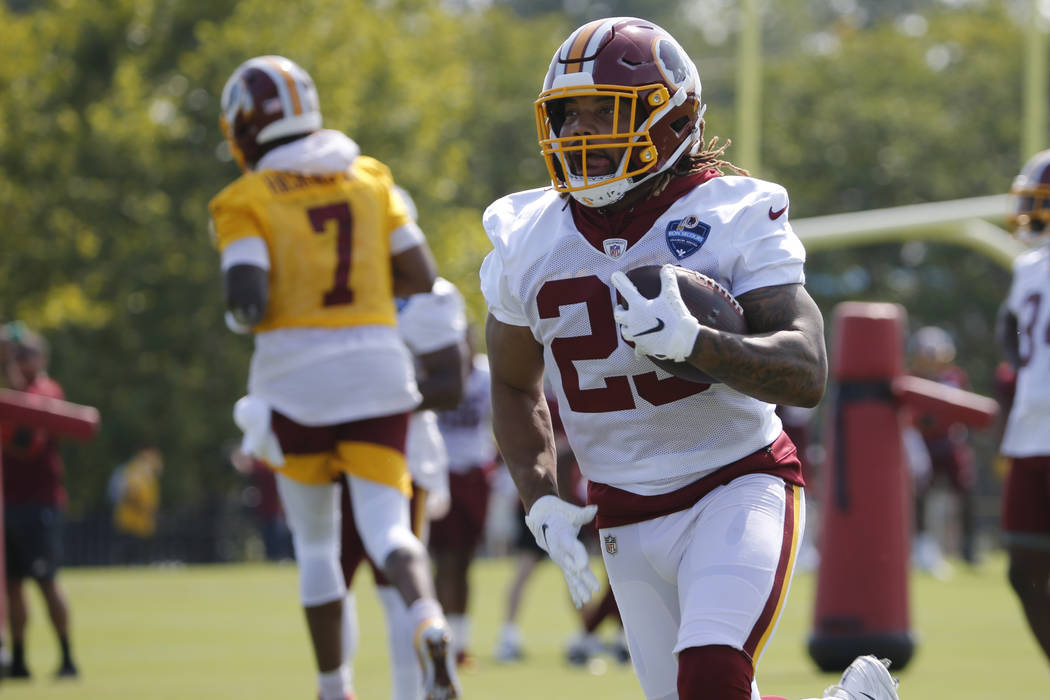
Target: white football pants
<point>715,574</point>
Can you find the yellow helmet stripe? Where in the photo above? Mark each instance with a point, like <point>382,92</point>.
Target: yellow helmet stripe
<point>293,91</point>
<point>574,60</point>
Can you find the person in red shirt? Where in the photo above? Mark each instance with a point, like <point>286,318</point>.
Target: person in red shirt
<point>951,454</point>
<point>34,502</point>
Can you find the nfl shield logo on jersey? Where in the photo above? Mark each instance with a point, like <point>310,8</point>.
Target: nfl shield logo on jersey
<point>685,236</point>
<point>615,247</point>
<point>610,544</point>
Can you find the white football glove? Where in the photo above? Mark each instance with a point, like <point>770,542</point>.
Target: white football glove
<point>661,327</point>
<point>555,524</point>
<point>438,503</point>
<point>252,416</point>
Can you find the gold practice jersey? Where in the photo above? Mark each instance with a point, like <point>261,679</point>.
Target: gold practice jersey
<point>328,238</point>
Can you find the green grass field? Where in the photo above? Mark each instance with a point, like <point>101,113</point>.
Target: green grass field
<point>231,632</point>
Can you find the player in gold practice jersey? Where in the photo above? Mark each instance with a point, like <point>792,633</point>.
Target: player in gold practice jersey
<point>315,244</point>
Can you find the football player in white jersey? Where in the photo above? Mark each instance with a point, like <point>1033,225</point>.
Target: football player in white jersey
<point>697,491</point>
<point>433,326</point>
<point>1024,334</point>
<point>454,539</point>
<point>315,245</point>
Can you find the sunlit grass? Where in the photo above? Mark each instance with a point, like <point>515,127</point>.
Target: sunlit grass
<point>237,632</point>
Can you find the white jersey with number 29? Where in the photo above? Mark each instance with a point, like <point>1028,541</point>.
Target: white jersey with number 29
<point>630,424</point>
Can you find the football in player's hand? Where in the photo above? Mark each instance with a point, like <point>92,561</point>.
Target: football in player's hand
<point>709,302</point>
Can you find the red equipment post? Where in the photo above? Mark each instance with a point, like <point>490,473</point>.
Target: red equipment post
<point>58,417</point>
<point>866,519</point>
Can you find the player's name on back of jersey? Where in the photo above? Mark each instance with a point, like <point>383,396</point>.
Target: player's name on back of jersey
<point>280,181</point>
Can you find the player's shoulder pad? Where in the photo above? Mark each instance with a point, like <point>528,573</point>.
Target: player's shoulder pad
<point>373,168</point>
<point>506,218</point>
<point>242,191</point>
<point>751,191</point>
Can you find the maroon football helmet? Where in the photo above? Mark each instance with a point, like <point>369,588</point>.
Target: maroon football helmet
<point>651,80</point>
<point>1030,200</point>
<point>267,98</point>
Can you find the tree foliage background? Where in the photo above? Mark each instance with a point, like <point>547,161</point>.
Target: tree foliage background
<point>110,151</point>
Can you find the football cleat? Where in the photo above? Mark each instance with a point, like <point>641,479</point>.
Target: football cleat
<point>19,670</point>
<point>619,649</point>
<point>867,678</point>
<point>582,647</point>
<point>433,642</point>
<point>67,670</point>
<point>509,648</point>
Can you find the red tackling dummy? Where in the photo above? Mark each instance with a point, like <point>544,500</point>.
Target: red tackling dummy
<point>59,417</point>
<point>862,583</point>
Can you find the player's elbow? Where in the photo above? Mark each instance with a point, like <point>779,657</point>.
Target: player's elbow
<point>811,397</point>
<point>811,391</point>
<point>247,293</point>
<point>447,398</point>
<point>414,271</point>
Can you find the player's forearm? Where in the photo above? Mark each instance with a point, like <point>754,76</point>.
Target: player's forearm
<point>784,367</point>
<point>522,426</point>
<point>440,393</point>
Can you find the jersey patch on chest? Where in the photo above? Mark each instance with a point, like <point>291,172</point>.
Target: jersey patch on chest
<point>615,247</point>
<point>685,236</point>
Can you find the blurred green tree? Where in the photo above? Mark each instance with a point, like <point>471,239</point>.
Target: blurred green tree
<point>110,151</point>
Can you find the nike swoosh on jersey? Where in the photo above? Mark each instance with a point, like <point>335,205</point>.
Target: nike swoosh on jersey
<point>655,329</point>
<point>774,215</point>
<point>544,531</point>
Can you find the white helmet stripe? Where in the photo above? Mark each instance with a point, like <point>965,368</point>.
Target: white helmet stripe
<point>285,82</point>
<point>596,41</point>
<point>581,43</point>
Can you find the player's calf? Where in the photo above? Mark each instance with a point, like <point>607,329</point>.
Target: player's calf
<point>714,672</point>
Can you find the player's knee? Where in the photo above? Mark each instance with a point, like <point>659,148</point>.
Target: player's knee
<point>714,673</point>
<point>382,543</point>
<point>320,576</point>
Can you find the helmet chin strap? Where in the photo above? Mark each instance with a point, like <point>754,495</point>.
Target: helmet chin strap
<point>601,195</point>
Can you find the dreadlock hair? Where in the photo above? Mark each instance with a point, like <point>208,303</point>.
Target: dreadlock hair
<point>709,156</point>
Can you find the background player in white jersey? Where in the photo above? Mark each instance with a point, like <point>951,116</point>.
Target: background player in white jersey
<point>698,492</point>
<point>1024,333</point>
<point>454,539</point>
<point>315,245</point>
<point>433,326</point>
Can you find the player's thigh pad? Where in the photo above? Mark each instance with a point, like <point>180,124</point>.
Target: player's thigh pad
<point>312,512</point>
<point>382,518</point>
<point>648,603</point>
<point>736,568</point>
